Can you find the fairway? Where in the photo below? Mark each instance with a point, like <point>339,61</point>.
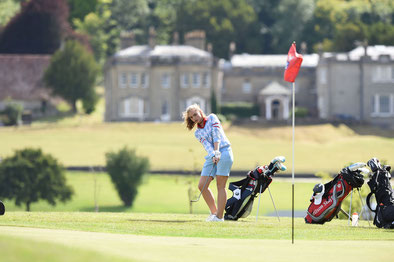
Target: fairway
<point>167,237</point>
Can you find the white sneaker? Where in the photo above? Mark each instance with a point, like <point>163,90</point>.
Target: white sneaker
<point>210,217</point>
<point>216,219</point>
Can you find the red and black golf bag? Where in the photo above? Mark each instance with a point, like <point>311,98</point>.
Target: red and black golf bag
<point>327,199</point>
<point>246,190</point>
<point>380,186</point>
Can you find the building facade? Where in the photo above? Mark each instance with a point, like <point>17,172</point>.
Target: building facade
<point>258,79</point>
<point>358,85</point>
<point>157,82</point>
<point>21,82</point>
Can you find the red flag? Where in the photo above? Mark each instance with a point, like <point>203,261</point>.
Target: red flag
<point>293,65</point>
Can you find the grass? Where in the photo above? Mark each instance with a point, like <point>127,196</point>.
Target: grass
<point>83,140</point>
<point>161,194</point>
<point>180,237</point>
<point>169,146</point>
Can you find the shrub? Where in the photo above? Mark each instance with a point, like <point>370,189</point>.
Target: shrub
<point>12,114</point>
<point>240,110</point>
<point>30,175</point>
<point>126,170</point>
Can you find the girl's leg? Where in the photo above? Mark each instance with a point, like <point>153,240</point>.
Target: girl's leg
<point>207,193</point>
<point>222,194</point>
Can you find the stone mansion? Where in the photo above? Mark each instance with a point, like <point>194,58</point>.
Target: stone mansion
<point>157,82</point>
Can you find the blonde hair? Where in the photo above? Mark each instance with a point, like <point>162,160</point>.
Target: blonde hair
<point>189,123</point>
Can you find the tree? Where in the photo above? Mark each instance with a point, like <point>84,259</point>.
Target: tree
<point>37,29</point>
<point>72,74</point>
<point>30,175</point>
<point>80,8</point>
<point>93,26</point>
<point>12,114</point>
<point>126,170</point>
<point>223,21</point>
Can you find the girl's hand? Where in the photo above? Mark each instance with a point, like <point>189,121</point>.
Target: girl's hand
<point>217,156</point>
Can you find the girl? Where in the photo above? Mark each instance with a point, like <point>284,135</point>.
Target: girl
<point>218,162</point>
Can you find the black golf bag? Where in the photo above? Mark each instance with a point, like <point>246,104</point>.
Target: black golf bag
<point>380,185</point>
<point>2,208</point>
<point>327,199</point>
<point>246,190</point>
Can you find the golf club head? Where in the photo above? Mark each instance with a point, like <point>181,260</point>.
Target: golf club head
<point>374,164</point>
<point>281,159</point>
<point>280,166</point>
<point>364,171</point>
<point>356,166</point>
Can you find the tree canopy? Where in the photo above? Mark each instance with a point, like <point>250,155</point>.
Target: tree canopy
<point>72,75</point>
<point>255,26</point>
<point>30,175</point>
<point>37,29</point>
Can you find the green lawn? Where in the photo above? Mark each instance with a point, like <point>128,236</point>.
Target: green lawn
<point>161,194</point>
<point>170,146</point>
<point>181,237</point>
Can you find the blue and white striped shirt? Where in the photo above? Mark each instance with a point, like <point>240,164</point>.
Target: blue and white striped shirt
<point>211,132</point>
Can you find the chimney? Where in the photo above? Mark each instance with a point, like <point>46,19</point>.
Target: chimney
<point>126,39</point>
<point>196,38</point>
<point>209,47</point>
<point>152,37</point>
<point>175,38</point>
<point>232,48</point>
<point>304,48</point>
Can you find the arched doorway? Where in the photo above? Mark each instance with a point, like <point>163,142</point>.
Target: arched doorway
<point>275,107</point>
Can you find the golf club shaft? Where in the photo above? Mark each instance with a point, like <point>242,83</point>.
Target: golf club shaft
<point>206,182</point>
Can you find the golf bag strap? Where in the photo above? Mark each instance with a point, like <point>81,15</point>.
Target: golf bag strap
<point>369,203</point>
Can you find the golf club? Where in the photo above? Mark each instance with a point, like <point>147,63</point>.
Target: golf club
<point>203,188</point>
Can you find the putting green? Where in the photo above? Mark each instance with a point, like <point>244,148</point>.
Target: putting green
<point>161,248</point>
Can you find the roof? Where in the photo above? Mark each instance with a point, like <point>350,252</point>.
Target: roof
<point>249,60</point>
<point>354,55</point>
<point>182,51</point>
<point>274,88</point>
<point>20,77</point>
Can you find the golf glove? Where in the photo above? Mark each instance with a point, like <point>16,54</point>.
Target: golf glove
<point>217,154</point>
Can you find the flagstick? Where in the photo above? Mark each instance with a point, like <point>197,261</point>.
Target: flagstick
<point>292,172</point>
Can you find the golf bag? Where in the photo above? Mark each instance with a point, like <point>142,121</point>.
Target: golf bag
<point>246,190</point>
<point>326,199</point>
<point>2,208</point>
<point>380,185</point>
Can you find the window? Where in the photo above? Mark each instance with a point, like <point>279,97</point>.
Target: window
<point>196,100</point>
<point>196,79</point>
<point>132,107</point>
<point>144,80</point>
<point>383,74</point>
<point>165,111</point>
<point>122,80</point>
<point>382,105</point>
<point>165,80</point>
<point>206,80</point>
<point>185,80</point>
<point>247,87</point>
<point>134,80</point>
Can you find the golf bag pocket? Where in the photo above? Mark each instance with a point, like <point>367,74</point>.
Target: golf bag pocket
<point>241,203</point>
<point>327,199</point>
<point>380,186</point>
